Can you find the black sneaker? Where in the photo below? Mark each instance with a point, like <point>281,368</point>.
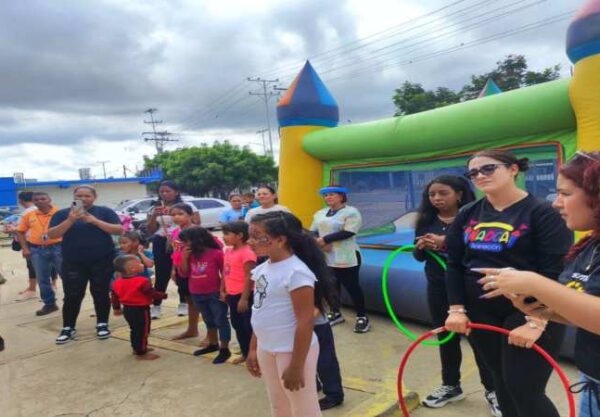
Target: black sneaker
<point>102,331</point>
<point>326,403</point>
<point>444,395</point>
<point>47,309</point>
<point>66,334</point>
<point>1,344</point>
<point>362,325</point>
<point>335,317</point>
<point>222,357</point>
<point>207,349</point>
<point>492,400</point>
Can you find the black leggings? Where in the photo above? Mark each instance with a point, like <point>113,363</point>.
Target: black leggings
<point>450,352</point>
<point>241,322</point>
<point>349,278</point>
<point>75,277</point>
<point>520,375</point>
<point>163,265</point>
<point>138,318</point>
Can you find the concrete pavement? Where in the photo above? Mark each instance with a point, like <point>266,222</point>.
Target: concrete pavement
<point>88,377</point>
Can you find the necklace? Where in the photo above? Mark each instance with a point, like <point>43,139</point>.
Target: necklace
<point>446,220</point>
<point>592,258</point>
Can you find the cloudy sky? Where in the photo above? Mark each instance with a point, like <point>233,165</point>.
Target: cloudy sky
<point>76,76</point>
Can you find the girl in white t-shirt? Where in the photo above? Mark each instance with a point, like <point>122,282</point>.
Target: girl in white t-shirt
<point>284,348</point>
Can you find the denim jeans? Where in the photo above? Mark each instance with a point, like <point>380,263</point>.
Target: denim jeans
<point>589,403</point>
<point>214,313</point>
<point>44,259</point>
<point>328,368</point>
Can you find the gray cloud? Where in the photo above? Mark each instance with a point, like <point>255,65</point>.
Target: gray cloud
<point>97,65</point>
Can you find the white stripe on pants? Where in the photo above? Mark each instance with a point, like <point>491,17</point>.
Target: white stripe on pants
<point>286,403</point>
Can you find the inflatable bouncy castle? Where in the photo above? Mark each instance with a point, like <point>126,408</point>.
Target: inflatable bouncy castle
<point>385,164</point>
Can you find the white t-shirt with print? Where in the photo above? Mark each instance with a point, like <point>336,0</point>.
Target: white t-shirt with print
<point>259,210</point>
<point>165,222</point>
<point>273,319</point>
<point>343,252</point>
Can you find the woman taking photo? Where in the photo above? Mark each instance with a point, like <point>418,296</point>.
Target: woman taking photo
<point>442,198</point>
<point>267,197</point>
<point>335,228</point>
<point>160,225</point>
<point>88,251</point>
<point>578,201</point>
<point>506,228</point>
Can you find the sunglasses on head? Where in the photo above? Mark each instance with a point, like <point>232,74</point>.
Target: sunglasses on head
<point>485,170</point>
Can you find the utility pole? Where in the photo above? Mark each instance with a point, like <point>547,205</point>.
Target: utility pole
<point>103,166</point>
<point>265,95</point>
<point>159,138</point>
<point>262,134</point>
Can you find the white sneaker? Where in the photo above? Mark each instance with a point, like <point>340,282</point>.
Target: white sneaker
<point>492,400</point>
<point>182,309</point>
<point>155,312</point>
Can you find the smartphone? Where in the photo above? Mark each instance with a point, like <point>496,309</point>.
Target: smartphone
<point>78,204</point>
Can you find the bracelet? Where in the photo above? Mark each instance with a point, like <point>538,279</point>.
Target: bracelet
<point>535,323</point>
<point>457,310</point>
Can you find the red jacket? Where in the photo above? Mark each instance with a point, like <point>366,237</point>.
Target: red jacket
<point>134,291</point>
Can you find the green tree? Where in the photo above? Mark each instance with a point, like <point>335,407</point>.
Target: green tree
<point>510,73</point>
<point>216,169</point>
<point>413,98</point>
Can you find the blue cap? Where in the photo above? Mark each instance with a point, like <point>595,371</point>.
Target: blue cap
<point>341,190</point>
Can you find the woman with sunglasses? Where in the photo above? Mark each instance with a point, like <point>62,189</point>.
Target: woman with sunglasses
<point>578,201</point>
<point>507,228</point>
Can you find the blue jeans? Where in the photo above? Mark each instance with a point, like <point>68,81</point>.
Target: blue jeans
<point>214,314</point>
<point>44,258</point>
<point>328,368</point>
<point>589,403</point>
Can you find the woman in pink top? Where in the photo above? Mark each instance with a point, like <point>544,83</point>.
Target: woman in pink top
<point>240,260</point>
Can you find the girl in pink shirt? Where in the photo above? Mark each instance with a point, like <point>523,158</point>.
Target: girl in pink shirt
<point>202,265</point>
<point>240,260</point>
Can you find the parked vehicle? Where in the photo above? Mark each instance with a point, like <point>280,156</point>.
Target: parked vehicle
<point>210,209</point>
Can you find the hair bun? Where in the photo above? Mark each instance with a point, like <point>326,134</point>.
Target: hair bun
<point>523,164</point>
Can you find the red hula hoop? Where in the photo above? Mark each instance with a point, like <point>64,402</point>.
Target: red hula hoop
<point>545,355</point>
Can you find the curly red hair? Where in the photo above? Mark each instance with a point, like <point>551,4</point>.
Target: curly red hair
<point>584,171</point>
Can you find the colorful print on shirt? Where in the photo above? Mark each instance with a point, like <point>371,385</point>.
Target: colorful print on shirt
<point>492,236</point>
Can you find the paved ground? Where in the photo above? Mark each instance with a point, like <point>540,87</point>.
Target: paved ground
<point>102,379</point>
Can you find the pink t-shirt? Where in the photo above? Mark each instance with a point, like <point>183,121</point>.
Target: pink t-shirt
<point>177,254</point>
<point>233,271</point>
<point>205,272</point>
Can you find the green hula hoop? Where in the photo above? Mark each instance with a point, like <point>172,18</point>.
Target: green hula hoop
<point>388,304</point>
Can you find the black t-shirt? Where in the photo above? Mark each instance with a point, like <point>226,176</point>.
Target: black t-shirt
<point>529,235</point>
<point>433,270</point>
<point>583,274</point>
<point>84,242</point>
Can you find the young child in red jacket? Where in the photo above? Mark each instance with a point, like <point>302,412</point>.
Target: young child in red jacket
<point>135,292</point>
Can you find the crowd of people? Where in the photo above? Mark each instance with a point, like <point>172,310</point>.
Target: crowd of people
<point>511,262</point>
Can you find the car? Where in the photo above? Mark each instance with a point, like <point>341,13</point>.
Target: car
<point>210,209</point>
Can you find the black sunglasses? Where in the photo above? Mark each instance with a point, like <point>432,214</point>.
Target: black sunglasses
<point>486,170</point>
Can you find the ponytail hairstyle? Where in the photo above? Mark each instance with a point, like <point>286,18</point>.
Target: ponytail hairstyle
<point>199,239</point>
<point>503,156</point>
<point>271,190</point>
<point>427,213</point>
<point>173,186</point>
<point>584,171</point>
<point>304,246</point>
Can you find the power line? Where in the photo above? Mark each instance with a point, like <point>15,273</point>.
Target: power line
<point>266,96</point>
<point>487,39</point>
<point>159,138</point>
